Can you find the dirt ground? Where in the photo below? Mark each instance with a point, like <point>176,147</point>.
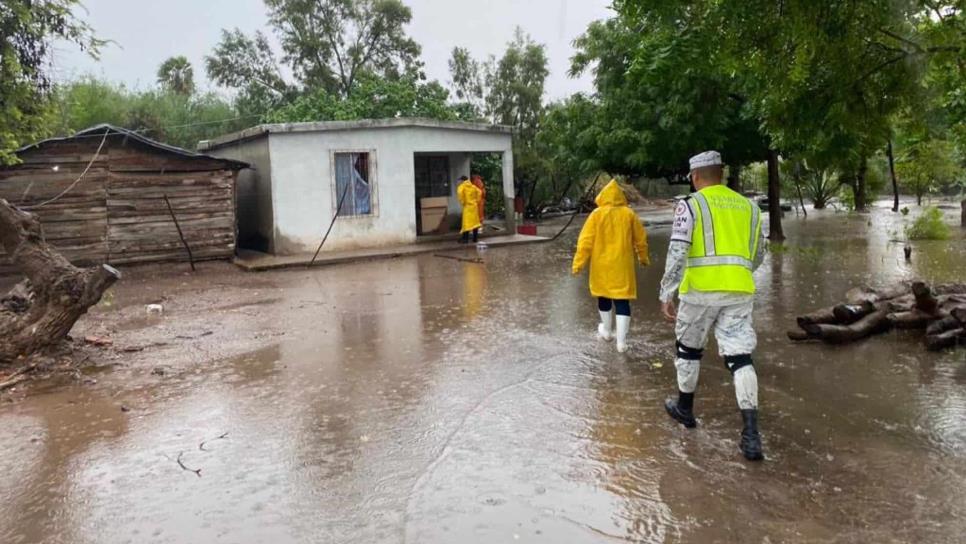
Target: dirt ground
<point>422,399</point>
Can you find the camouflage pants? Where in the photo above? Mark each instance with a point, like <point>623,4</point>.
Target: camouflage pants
<point>733,329</point>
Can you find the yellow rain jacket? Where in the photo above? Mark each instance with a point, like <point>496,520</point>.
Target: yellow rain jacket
<point>470,197</point>
<point>609,240</point>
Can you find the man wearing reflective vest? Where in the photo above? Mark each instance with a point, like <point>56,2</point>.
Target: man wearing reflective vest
<point>716,245</point>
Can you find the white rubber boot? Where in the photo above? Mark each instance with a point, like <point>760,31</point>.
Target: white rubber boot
<point>623,325</point>
<point>606,328</point>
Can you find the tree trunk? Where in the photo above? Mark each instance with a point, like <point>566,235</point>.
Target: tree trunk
<point>40,311</point>
<point>734,178</point>
<point>895,181</point>
<point>962,213</point>
<point>860,204</point>
<point>775,233</point>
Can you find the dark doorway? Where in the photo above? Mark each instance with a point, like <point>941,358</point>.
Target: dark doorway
<point>432,176</point>
<point>432,181</point>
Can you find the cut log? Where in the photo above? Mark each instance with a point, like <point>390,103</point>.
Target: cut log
<point>846,314</point>
<point>940,326</point>
<point>859,295</point>
<point>825,315</point>
<point>874,323</point>
<point>926,301</point>
<point>39,312</point>
<point>799,336</point>
<point>948,339</point>
<point>913,319</point>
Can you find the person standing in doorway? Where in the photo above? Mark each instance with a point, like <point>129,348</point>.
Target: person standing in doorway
<point>478,182</point>
<point>716,245</point>
<point>470,197</point>
<point>610,239</point>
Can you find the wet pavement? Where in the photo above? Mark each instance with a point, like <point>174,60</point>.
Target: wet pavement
<point>425,400</point>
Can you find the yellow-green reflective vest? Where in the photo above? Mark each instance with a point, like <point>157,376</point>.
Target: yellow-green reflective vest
<point>723,243</point>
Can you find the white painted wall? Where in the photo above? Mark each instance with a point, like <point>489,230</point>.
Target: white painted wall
<point>303,184</point>
<point>253,195</point>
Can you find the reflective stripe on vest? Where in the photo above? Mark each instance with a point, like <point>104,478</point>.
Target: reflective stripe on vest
<point>706,222</point>
<point>695,262</point>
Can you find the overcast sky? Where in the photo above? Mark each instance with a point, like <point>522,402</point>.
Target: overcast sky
<point>147,32</point>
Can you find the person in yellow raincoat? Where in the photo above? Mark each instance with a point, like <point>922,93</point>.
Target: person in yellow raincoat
<point>611,239</point>
<point>470,197</point>
<point>478,181</point>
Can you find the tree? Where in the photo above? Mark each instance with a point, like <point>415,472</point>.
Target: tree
<point>328,44</point>
<point>667,92</point>
<point>28,30</point>
<point>177,75</point>
<point>248,65</point>
<point>371,98</point>
<point>926,167</point>
<point>510,92</point>
<point>468,79</point>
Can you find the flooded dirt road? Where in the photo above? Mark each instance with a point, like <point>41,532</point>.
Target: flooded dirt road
<point>426,400</point>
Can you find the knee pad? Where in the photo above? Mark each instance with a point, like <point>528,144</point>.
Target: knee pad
<point>689,354</point>
<point>735,362</point>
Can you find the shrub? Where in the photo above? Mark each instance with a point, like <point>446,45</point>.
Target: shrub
<point>928,226</point>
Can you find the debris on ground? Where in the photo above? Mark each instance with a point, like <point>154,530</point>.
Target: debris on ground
<point>940,312</point>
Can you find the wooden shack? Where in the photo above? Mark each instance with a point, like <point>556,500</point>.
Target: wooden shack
<point>100,196</point>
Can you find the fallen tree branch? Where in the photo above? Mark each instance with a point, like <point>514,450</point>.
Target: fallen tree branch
<point>197,471</point>
<point>475,260</point>
<point>203,442</point>
<point>40,312</point>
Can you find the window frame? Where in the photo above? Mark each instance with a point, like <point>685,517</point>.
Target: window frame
<point>373,183</point>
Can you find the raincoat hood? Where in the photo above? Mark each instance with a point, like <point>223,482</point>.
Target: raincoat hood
<point>611,195</point>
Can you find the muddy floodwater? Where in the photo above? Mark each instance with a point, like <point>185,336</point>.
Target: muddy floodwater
<point>427,400</point>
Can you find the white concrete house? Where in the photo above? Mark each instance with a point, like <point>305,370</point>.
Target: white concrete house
<point>385,168</point>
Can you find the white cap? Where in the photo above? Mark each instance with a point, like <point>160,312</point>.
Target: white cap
<point>708,158</point>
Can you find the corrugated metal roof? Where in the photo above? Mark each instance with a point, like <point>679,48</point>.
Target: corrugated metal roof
<point>101,128</point>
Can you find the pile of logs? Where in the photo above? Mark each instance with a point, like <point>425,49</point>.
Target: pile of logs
<point>940,311</point>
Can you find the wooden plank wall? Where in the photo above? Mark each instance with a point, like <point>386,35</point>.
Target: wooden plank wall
<point>76,223</point>
<point>117,213</point>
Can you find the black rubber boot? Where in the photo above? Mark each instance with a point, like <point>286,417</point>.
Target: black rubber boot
<point>465,238</point>
<point>750,439</point>
<point>682,410</point>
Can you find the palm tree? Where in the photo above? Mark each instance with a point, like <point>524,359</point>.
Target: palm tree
<point>177,75</point>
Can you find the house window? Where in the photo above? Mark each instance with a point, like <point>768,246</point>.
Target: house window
<point>353,183</point>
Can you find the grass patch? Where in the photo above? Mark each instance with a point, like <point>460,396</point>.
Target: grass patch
<point>928,226</point>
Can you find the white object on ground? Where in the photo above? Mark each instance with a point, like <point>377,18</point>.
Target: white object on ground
<point>154,309</point>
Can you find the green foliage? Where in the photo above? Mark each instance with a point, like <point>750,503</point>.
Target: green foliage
<point>248,65</point>
<point>469,79</point>
<point>928,226</point>
<point>28,31</point>
<point>664,93</point>
<point>926,167</point>
<point>371,98</point>
<point>509,92</point>
<point>177,75</point>
<point>327,44</point>
<point>847,197</point>
<point>162,115</point>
